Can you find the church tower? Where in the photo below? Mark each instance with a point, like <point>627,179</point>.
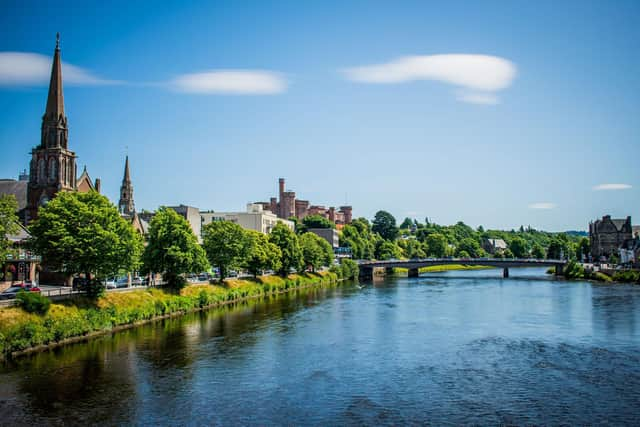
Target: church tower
<point>53,165</point>
<point>126,205</point>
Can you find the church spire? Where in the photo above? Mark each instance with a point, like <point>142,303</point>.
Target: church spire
<point>126,205</point>
<point>127,176</point>
<point>55,101</point>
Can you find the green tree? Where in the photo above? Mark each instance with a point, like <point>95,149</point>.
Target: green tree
<point>519,247</point>
<point>287,241</point>
<point>507,253</point>
<point>172,248</point>
<point>316,251</point>
<point>406,224</point>
<point>469,246</point>
<point>8,223</point>
<point>437,245</point>
<point>557,249</point>
<point>537,251</point>
<point>226,245</point>
<point>583,248</point>
<point>414,249</point>
<point>385,225</point>
<point>317,221</point>
<point>84,233</point>
<point>387,250</point>
<point>262,254</point>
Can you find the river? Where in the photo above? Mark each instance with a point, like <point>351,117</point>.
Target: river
<point>462,347</point>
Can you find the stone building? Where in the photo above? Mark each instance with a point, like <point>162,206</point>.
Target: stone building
<point>53,165</point>
<point>607,235</point>
<point>287,206</point>
<point>126,206</point>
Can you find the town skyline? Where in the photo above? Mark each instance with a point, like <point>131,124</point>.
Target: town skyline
<point>224,167</point>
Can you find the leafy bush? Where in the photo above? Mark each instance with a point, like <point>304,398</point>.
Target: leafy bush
<point>33,302</point>
<point>350,269</point>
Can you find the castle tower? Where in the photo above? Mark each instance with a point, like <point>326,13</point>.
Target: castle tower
<point>53,165</point>
<point>126,205</point>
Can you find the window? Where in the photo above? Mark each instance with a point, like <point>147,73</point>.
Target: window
<point>41,174</point>
<point>53,170</point>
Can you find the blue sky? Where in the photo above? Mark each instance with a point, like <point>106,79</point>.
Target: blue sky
<point>367,103</point>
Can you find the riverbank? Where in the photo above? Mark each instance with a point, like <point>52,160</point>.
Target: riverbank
<point>442,268</point>
<point>82,319</point>
<point>576,271</point>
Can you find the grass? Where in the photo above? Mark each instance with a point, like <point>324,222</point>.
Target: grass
<point>441,268</point>
<point>83,317</point>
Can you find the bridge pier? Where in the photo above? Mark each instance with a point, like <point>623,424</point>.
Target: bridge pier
<point>388,271</point>
<point>505,272</point>
<point>559,270</point>
<point>366,273</point>
<point>414,272</point>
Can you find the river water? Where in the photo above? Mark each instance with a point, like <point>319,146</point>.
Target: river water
<point>462,347</point>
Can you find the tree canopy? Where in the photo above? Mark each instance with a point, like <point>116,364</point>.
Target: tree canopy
<point>385,225</point>
<point>316,251</point>
<point>317,221</point>
<point>84,233</point>
<point>287,241</point>
<point>226,245</point>
<point>173,248</point>
<point>261,254</point>
<point>8,223</point>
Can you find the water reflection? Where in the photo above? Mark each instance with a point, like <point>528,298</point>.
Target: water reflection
<point>459,347</point>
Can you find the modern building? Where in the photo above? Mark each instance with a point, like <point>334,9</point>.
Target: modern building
<point>328,234</point>
<point>607,235</point>
<point>255,218</point>
<point>53,165</point>
<point>287,206</point>
<point>192,215</point>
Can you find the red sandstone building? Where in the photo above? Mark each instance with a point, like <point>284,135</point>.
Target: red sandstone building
<point>288,206</point>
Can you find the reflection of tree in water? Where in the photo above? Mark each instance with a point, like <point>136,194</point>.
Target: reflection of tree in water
<point>97,379</point>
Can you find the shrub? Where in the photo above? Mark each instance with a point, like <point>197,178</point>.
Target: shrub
<point>350,269</point>
<point>33,302</point>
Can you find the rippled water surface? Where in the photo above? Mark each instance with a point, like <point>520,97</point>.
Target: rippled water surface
<point>458,348</point>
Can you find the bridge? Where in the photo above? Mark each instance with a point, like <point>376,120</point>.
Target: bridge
<point>414,265</point>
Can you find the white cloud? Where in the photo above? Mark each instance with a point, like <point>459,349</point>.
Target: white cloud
<point>542,205</point>
<point>233,82</point>
<point>479,75</point>
<point>477,98</point>
<point>607,187</point>
<point>24,69</point>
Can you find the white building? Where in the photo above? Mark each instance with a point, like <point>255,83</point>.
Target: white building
<point>255,218</point>
<point>192,215</point>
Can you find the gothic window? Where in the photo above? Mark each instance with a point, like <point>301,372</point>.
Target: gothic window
<point>53,170</point>
<point>41,174</point>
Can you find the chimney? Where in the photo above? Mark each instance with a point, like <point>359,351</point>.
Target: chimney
<point>281,183</point>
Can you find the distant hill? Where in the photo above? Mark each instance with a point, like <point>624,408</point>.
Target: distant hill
<point>577,233</point>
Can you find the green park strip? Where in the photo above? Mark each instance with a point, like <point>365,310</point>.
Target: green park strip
<point>442,268</point>
<point>83,318</point>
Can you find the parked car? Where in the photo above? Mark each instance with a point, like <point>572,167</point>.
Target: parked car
<point>11,292</point>
<point>137,281</point>
<point>122,282</point>
<point>111,283</point>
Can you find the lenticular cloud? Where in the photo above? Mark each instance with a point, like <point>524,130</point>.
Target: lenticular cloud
<point>25,68</point>
<point>480,75</point>
<point>238,82</point>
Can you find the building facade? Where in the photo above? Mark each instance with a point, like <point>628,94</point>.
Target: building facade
<point>255,218</point>
<point>287,206</point>
<point>192,215</point>
<point>328,234</point>
<point>607,235</point>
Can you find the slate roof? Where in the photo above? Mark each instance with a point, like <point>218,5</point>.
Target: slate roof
<point>619,223</point>
<point>17,188</point>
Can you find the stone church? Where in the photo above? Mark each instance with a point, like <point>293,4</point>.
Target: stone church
<point>53,165</point>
